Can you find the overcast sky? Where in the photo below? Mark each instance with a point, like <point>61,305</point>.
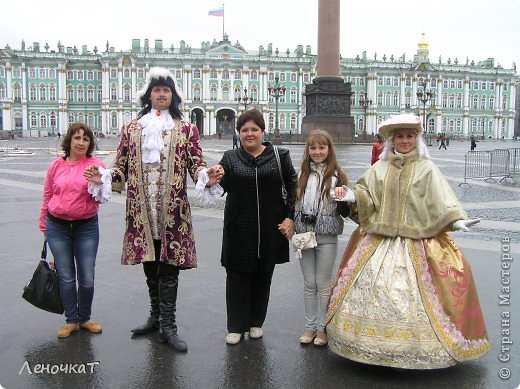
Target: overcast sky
<point>476,29</point>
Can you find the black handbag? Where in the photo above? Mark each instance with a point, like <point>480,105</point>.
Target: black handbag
<point>43,291</point>
<point>285,195</point>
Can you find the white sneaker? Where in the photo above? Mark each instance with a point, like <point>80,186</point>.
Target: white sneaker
<point>233,338</point>
<point>255,332</point>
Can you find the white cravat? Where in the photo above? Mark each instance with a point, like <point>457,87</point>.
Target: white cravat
<point>154,123</point>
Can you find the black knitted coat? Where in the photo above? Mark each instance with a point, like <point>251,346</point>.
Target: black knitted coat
<point>254,208</point>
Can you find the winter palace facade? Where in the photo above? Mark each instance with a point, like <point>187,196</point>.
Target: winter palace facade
<point>43,89</point>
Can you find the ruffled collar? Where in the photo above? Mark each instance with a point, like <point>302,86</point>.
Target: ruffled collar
<point>398,159</point>
<point>153,124</point>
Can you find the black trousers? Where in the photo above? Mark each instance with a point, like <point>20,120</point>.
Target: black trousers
<point>153,270</point>
<point>247,298</point>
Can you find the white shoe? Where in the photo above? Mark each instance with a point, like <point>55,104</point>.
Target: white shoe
<point>255,332</point>
<point>233,338</point>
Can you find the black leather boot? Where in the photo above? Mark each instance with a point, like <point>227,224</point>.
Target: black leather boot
<point>167,304</point>
<point>152,324</point>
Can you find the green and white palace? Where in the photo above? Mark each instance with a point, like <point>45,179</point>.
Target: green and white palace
<point>43,89</point>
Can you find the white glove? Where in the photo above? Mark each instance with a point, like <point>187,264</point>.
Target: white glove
<point>349,196</point>
<point>463,225</point>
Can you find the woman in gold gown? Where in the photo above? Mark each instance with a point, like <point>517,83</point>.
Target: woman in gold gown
<point>404,295</point>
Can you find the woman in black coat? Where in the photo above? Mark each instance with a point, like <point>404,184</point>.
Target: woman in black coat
<point>257,224</point>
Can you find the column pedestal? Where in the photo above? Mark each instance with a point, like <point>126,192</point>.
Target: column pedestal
<point>328,108</point>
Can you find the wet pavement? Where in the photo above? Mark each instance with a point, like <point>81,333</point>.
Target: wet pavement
<point>33,357</point>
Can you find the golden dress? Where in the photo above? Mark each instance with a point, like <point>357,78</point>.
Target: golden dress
<point>405,295</point>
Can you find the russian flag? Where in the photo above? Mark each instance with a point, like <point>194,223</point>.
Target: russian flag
<point>216,12</point>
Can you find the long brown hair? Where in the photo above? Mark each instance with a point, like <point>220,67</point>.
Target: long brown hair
<point>332,166</point>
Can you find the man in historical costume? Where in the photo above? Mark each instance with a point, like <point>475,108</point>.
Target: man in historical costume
<point>405,295</point>
<point>155,153</point>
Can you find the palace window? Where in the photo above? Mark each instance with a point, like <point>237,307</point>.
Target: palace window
<point>52,92</point>
<point>43,92</point>
<point>293,77</point>
<point>90,94</point>
<point>113,73</point>
<point>70,75</point>
<point>213,92</point>
<point>34,120</point>
<point>43,120</point>
<point>196,92</point>
<point>113,120</point>
<point>126,93</point>
<point>17,73</point>
<point>70,94</point>
<point>90,75</point>
<point>52,73</point>
<point>81,94</point>
<point>225,93</point>
<point>225,74</point>
<point>113,92</point>
<point>238,74</point>
<point>254,75</point>
<point>32,92</point>
<point>80,75</point>
<point>293,122</point>
<point>483,102</point>
<point>196,73</point>
<point>212,73</point>
<point>140,73</point>
<point>126,73</point>
<point>293,96</point>
<point>491,102</point>
<point>42,73</point>
<point>17,93</point>
<point>253,93</point>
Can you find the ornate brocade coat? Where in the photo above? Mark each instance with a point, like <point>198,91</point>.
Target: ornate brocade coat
<point>177,240</point>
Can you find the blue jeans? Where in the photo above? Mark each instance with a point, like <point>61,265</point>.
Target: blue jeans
<point>75,246</point>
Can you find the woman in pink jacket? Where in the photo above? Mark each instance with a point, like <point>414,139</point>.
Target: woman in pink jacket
<point>69,222</point>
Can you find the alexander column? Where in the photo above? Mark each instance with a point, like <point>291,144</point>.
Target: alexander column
<point>328,97</point>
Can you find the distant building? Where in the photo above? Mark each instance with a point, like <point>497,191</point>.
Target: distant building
<point>42,91</point>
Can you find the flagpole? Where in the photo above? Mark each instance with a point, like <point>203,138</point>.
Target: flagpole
<point>223,16</point>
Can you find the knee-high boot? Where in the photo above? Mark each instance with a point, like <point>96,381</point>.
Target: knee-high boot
<point>167,303</point>
<point>152,324</point>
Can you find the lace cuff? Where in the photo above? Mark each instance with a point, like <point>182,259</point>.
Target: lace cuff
<point>101,192</point>
<point>206,195</point>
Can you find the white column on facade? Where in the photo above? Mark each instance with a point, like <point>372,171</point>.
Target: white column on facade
<point>438,104</point>
<point>402,78</point>
<point>63,120</point>
<point>25,120</point>
<point>371,81</point>
<point>120,81</point>
<point>219,84</point>
<point>265,84</point>
<point>9,80</point>
<point>134,82</point>
<point>186,82</point>
<point>105,97</point>
<point>498,109</point>
<point>511,109</point>
<point>205,84</point>
<point>7,119</point>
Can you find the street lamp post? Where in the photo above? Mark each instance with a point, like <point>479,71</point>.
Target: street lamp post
<point>365,103</point>
<point>424,96</point>
<point>245,99</point>
<point>276,92</point>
